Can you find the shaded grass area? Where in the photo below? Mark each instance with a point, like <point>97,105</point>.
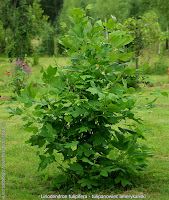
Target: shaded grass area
<point>24,182</point>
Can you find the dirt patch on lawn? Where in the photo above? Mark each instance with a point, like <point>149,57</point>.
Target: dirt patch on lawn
<point>5,98</point>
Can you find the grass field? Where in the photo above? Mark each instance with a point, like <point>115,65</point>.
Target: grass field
<point>23,182</point>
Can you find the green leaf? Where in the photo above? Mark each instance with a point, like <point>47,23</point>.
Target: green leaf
<point>12,111</point>
<point>86,149</point>
<point>115,67</point>
<point>124,182</point>
<point>72,144</point>
<point>131,90</point>
<point>68,118</point>
<point>92,90</point>
<point>98,140</point>
<point>24,118</point>
<point>85,182</point>
<point>113,108</point>
<point>19,111</point>
<point>28,104</point>
<point>1,103</point>
<point>78,111</point>
<point>83,129</point>
<point>124,130</point>
<point>89,7</point>
<point>31,91</point>
<point>124,57</point>
<point>115,119</point>
<point>58,83</point>
<point>87,161</point>
<point>117,180</point>
<point>124,84</point>
<point>120,137</point>
<point>113,18</point>
<point>63,24</point>
<point>77,12</point>
<point>32,129</point>
<point>119,40</point>
<point>84,77</point>
<point>51,71</point>
<point>164,94</point>
<point>104,173</point>
<point>45,161</point>
<point>38,113</point>
<point>111,22</point>
<point>76,167</point>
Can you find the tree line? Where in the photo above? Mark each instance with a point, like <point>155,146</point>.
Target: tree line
<point>33,26</point>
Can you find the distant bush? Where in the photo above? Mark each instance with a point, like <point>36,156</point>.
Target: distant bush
<point>35,58</point>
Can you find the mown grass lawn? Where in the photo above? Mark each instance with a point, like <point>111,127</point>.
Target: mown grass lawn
<point>24,182</point>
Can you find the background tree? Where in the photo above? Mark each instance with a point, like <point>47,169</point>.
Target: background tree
<point>163,10</point>
<point>28,20</point>
<point>146,31</point>
<point>6,21</point>
<point>134,8</point>
<point>101,9</point>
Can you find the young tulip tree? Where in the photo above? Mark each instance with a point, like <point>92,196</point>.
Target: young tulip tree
<point>84,113</point>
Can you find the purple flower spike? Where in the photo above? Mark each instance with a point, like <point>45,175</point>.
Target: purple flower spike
<point>19,62</point>
<point>25,68</point>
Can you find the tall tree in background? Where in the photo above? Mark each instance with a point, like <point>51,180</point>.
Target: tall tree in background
<point>27,22</point>
<point>163,8</point>
<point>134,8</point>
<point>105,8</point>
<point>51,8</point>
<point>101,9</point>
<point>6,22</point>
<point>146,31</point>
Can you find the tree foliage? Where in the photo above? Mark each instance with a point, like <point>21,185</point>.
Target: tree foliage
<point>24,21</point>
<point>146,31</point>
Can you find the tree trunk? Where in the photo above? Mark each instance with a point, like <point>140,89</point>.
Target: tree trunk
<point>107,34</point>
<point>166,43</point>
<point>137,57</point>
<point>167,46</point>
<point>137,63</point>
<point>159,49</point>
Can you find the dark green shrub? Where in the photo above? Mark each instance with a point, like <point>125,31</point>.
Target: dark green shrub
<point>35,58</point>
<point>85,114</point>
<point>160,68</point>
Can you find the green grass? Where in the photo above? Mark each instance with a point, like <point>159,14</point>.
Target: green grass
<point>24,182</point>
<point>159,80</point>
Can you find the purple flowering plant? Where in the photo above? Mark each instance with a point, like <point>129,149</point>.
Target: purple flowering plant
<point>20,72</point>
